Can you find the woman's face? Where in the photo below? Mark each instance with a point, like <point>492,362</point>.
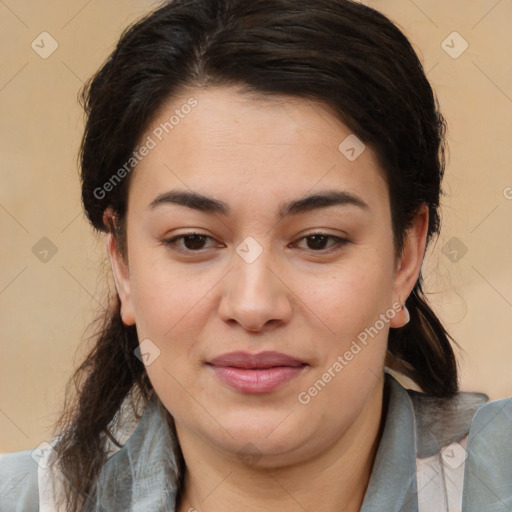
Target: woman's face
<point>286,247</point>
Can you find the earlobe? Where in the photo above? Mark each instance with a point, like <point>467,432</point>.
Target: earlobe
<point>402,316</point>
<point>406,313</point>
<point>122,282</point>
<point>410,264</point>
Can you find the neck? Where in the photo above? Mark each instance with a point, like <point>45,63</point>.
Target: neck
<point>333,480</point>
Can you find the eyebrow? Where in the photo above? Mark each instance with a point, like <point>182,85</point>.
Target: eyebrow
<point>308,203</point>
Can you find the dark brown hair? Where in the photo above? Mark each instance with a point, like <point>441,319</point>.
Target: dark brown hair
<point>347,55</point>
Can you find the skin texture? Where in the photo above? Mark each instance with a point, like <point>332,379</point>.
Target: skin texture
<point>297,298</point>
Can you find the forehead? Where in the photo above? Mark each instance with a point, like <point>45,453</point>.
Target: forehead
<point>238,146</point>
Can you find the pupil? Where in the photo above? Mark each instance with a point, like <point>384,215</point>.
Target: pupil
<point>317,242</point>
<point>194,242</point>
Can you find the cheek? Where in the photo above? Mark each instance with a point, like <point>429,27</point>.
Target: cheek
<point>172,306</point>
<point>170,310</point>
<point>166,296</point>
<point>350,297</point>
<point>353,342</point>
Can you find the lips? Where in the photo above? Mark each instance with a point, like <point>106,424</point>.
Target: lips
<point>256,361</point>
<point>256,373</point>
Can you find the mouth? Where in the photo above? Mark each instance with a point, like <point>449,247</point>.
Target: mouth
<point>256,373</point>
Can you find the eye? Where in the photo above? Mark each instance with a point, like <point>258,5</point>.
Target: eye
<point>318,242</point>
<point>197,242</point>
<point>191,242</point>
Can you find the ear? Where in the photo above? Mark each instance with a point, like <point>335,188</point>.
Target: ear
<point>409,266</point>
<point>121,272</point>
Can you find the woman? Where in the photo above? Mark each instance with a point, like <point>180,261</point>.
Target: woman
<point>268,175</point>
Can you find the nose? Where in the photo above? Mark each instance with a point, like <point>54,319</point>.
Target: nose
<point>255,296</point>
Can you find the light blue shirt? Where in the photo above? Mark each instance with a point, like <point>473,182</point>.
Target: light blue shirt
<point>421,434</point>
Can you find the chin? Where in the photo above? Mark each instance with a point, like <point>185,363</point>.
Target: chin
<point>265,434</point>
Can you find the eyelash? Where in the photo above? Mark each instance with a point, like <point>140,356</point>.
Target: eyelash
<point>171,242</point>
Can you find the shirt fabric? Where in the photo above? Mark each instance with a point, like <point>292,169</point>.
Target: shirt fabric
<point>435,455</point>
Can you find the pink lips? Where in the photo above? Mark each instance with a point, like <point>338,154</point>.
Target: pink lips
<point>256,373</point>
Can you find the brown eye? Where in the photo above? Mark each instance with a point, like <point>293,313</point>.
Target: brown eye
<point>194,242</point>
<point>317,242</point>
<point>190,243</point>
<point>320,242</point>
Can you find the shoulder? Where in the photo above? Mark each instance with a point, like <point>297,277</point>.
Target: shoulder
<point>464,451</point>
<point>488,476</point>
<point>442,421</point>
<point>18,482</point>
<point>493,418</point>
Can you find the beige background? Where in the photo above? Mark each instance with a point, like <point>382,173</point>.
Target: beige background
<point>45,307</point>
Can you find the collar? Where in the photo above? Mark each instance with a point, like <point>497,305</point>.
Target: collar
<point>392,485</point>
<point>145,469</point>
